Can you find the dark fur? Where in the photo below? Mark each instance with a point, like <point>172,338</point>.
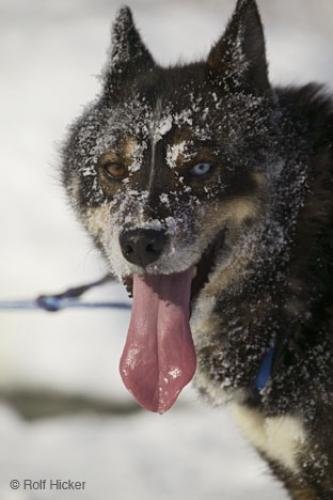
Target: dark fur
<point>286,292</point>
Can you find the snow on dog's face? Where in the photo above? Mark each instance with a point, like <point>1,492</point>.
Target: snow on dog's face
<point>169,171</point>
<point>170,149</point>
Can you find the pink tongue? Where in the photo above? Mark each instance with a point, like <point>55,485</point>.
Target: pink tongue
<point>159,358</point>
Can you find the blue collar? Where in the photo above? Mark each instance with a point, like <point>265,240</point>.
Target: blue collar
<point>265,370</point>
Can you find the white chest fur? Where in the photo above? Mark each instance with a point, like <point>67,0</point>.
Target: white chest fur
<point>280,438</point>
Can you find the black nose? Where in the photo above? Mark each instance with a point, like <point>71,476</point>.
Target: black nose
<point>142,246</point>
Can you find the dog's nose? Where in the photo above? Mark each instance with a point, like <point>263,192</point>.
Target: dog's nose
<point>142,246</point>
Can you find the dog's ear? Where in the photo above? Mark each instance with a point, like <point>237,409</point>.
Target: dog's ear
<point>129,56</point>
<point>239,57</point>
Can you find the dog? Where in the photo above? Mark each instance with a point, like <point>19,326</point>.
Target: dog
<point>209,193</point>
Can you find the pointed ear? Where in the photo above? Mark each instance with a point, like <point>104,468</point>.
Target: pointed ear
<point>239,57</point>
<point>129,55</point>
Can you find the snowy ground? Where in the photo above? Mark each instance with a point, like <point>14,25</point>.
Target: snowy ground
<point>50,53</point>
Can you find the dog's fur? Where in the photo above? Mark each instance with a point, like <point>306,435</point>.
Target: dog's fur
<point>259,226</point>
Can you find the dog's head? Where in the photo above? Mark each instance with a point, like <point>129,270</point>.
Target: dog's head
<point>168,169</point>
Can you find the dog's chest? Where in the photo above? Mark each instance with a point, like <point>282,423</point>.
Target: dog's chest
<point>281,439</point>
<point>225,372</point>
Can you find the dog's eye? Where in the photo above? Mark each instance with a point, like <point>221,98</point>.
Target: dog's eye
<point>201,169</point>
<point>112,168</point>
<point>115,170</point>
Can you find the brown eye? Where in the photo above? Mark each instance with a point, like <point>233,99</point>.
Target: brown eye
<point>112,168</point>
<point>115,170</point>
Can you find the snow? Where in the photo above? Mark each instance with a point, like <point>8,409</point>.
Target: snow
<point>143,457</point>
<point>173,152</point>
<point>164,198</point>
<point>49,52</point>
<point>162,128</point>
<point>136,152</point>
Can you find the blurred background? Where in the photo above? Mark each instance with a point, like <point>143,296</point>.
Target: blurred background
<point>63,411</point>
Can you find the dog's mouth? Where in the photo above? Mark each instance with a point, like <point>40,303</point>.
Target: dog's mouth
<point>159,357</point>
<point>200,271</point>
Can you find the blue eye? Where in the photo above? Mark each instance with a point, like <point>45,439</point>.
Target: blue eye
<point>201,169</point>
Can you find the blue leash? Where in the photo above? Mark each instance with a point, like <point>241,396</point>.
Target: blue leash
<point>67,300</point>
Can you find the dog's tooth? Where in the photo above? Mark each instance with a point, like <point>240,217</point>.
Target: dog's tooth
<point>194,272</point>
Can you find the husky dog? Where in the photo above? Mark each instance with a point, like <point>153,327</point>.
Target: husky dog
<point>209,193</point>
